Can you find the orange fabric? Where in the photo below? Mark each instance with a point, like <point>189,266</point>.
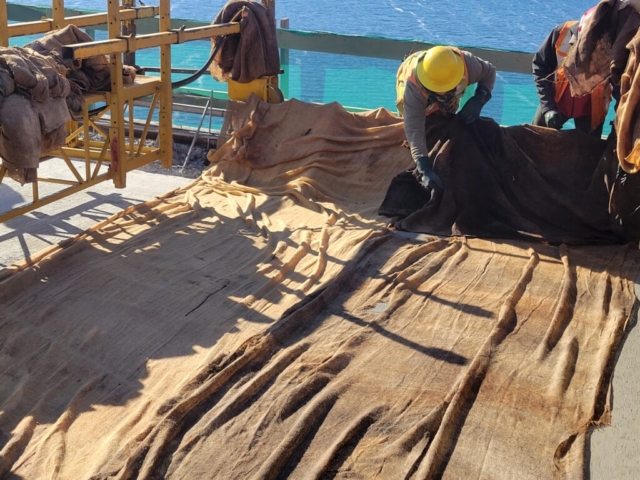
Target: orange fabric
<point>600,97</point>
<point>561,47</point>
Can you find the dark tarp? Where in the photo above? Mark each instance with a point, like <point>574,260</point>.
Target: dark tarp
<point>517,182</point>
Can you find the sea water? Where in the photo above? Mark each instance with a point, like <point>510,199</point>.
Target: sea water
<point>518,25</point>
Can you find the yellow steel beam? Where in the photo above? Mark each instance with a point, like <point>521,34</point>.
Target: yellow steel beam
<point>71,167</point>
<point>46,25</point>
<point>122,45</point>
<point>58,181</point>
<point>103,154</point>
<point>129,28</point>
<point>125,14</point>
<point>142,160</point>
<point>115,102</point>
<point>86,139</point>
<point>165,117</point>
<point>36,191</point>
<point>145,130</point>
<point>29,28</point>
<point>37,203</point>
<point>4,21</point>
<point>58,14</point>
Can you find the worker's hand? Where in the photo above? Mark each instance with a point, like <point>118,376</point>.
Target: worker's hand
<point>430,180</point>
<point>470,112</point>
<point>553,119</point>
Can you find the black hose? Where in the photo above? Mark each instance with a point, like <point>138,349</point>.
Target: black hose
<point>184,81</point>
<point>198,74</point>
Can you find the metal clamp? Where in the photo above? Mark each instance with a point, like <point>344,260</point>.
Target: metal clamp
<point>132,44</point>
<point>181,34</point>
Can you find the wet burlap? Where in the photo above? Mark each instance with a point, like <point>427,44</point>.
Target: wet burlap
<point>521,182</point>
<point>88,75</point>
<point>627,124</point>
<point>264,323</point>
<point>252,54</point>
<point>601,50</point>
<point>33,110</point>
<point>38,90</point>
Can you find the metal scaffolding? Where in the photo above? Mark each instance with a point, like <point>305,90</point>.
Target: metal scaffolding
<point>117,146</point>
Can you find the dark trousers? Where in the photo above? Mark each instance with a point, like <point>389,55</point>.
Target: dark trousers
<point>583,123</point>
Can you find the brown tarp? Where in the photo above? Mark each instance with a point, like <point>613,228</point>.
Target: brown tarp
<point>38,90</point>
<point>601,50</point>
<point>33,110</point>
<point>627,124</point>
<point>522,182</point>
<point>252,54</point>
<point>263,322</point>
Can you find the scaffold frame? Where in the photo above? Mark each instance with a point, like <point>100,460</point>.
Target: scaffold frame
<point>116,146</point>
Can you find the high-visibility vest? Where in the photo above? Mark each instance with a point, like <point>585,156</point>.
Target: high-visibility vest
<point>407,74</point>
<point>601,94</point>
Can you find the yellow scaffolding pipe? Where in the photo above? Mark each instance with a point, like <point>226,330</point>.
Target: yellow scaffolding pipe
<point>118,149</point>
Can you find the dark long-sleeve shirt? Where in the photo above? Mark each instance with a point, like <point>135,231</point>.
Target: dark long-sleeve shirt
<point>545,64</point>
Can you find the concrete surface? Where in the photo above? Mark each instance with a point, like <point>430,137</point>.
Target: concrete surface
<point>23,236</point>
<point>614,450</point>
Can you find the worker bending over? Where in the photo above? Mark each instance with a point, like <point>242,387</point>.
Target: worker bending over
<point>557,105</point>
<point>433,81</point>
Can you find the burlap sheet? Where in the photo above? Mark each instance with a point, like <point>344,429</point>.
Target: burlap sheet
<point>33,110</point>
<point>252,54</point>
<point>38,90</point>
<point>521,182</point>
<point>264,323</point>
<point>601,50</point>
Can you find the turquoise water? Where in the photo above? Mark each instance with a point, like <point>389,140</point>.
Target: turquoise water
<point>519,25</point>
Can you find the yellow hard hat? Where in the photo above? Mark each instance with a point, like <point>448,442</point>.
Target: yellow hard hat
<point>440,69</point>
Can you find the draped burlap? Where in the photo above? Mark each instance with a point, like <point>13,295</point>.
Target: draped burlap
<point>264,322</point>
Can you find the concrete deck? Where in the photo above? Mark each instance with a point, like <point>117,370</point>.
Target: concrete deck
<point>613,449</point>
<point>23,236</point>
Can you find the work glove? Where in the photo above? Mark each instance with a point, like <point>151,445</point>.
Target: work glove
<point>552,119</point>
<point>471,110</point>
<point>430,180</point>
